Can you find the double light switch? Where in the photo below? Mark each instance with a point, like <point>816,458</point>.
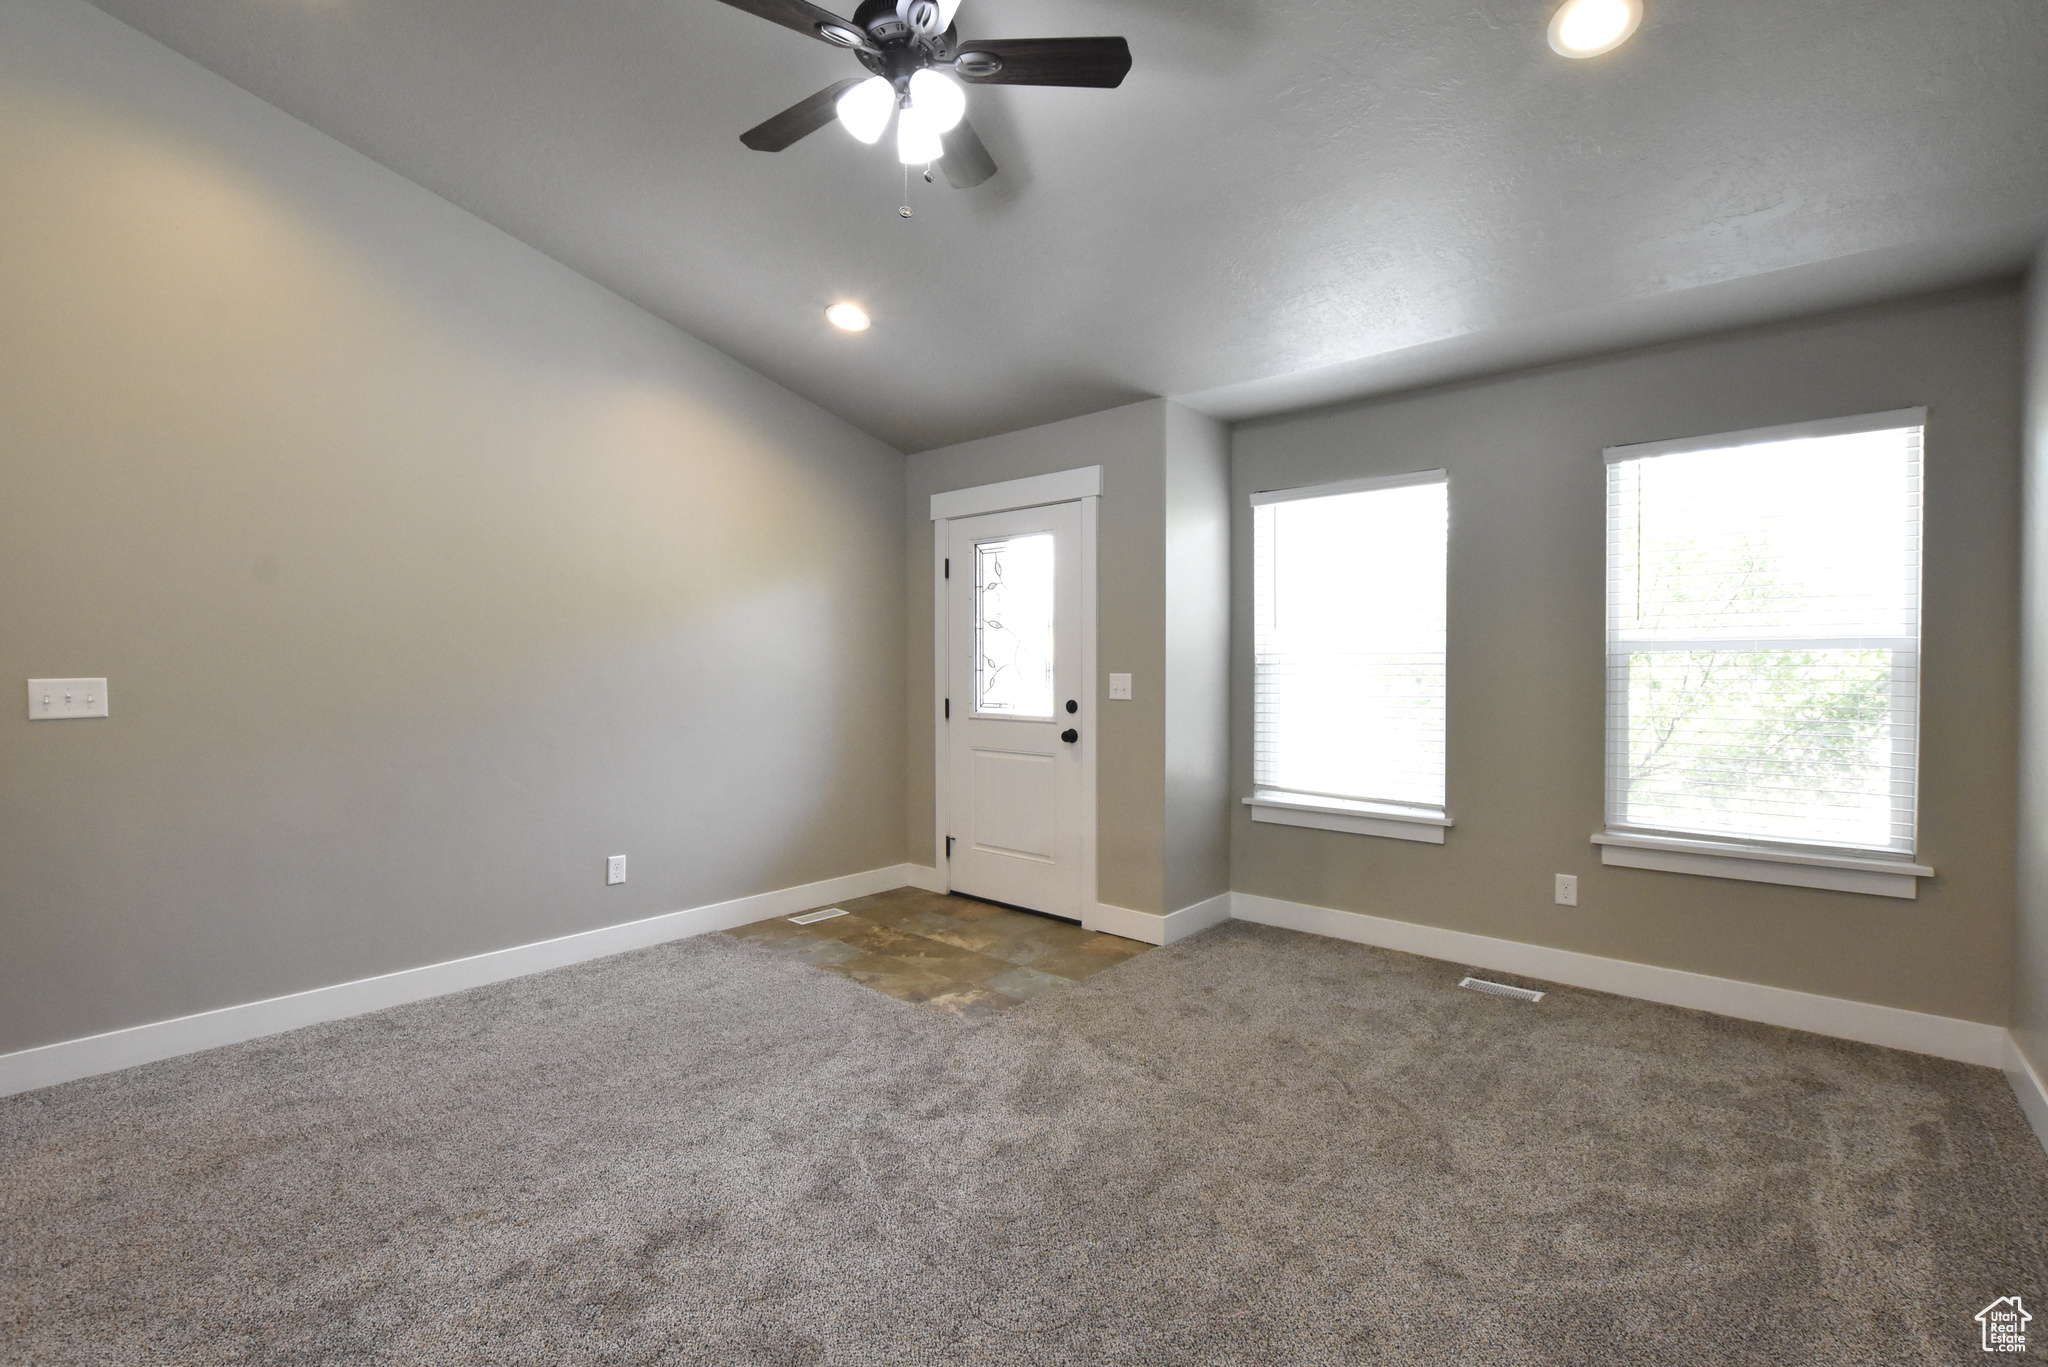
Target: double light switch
<point>55,699</point>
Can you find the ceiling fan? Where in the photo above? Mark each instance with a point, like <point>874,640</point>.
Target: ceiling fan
<point>914,53</point>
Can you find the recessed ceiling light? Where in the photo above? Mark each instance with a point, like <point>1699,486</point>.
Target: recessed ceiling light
<point>1587,28</point>
<point>847,317</point>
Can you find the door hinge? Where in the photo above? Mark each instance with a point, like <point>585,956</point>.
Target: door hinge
<point>949,847</point>
<point>949,567</point>
<point>949,709</point>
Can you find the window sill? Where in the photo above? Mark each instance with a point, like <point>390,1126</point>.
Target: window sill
<point>1355,818</point>
<point>1762,864</point>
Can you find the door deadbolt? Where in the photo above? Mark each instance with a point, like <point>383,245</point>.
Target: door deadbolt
<point>1072,707</point>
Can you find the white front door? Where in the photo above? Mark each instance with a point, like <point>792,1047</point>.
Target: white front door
<point>1014,707</point>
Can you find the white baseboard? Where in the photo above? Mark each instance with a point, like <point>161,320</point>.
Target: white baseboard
<point>1154,929</point>
<point>1132,925</point>
<point>1942,1036</point>
<point>1190,920</point>
<point>50,1064</point>
<point>2028,1087</point>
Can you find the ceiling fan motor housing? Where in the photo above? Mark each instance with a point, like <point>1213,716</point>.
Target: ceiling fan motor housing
<point>898,49</point>
<point>881,21</point>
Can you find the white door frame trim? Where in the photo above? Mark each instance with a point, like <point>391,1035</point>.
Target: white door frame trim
<point>1061,486</point>
<point>1083,485</point>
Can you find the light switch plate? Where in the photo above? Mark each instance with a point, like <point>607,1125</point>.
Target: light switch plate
<point>615,869</point>
<point>1119,688</point>
<point>57,699</point>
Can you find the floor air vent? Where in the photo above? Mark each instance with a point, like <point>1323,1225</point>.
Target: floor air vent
<point>810,916</point>
<point>1526,994</point>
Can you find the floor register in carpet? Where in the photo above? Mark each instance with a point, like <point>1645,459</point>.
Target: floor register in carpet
<point>1252,1147</point>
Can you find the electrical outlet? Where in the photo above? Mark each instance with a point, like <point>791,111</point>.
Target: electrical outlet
<point>615,869</point>
<point>1119,688</point>
<point>1567,889</point>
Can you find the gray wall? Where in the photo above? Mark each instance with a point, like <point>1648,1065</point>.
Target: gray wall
<point>2030,956</point>
<point>1197,452</point>
<point>1526,639</point>
<point>1164,603</point>
<point>1129,444</point>
<point>426,573</point>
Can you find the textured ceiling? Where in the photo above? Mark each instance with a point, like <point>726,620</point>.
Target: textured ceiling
<point>1286,203</point>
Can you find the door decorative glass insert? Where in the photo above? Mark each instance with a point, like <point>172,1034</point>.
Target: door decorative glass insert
<point>1013,622</point>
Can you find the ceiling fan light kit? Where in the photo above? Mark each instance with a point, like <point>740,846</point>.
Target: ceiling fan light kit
<point>916,60</point>
<point>917,140</point>
<point>939,98</point>
<point>865,110</point>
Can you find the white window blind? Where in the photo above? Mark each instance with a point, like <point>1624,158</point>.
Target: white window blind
<point>1763,635</point>
<point>1348,582</point>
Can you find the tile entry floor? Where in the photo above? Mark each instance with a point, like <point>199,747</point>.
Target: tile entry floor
<point>972,958</point>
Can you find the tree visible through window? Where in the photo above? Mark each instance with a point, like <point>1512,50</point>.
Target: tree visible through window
<point>1764,635</point>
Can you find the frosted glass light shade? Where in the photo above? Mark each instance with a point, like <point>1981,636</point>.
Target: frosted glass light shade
<point>917,142</point>
<point>938,98</point>
<point>866,108</point>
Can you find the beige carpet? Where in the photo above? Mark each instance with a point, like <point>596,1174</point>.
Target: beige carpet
<point>1252,1147</point>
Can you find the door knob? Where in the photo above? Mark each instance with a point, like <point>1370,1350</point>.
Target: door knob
<point>1070,735</point>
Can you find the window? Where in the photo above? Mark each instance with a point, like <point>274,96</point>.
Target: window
<point>1348,706</point>
<point>1763,647</point>
<point>1013,626</point>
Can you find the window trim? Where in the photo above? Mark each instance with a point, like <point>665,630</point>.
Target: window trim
<point>1762,436</point>
<point>1796,867</point>
<point>1352,816</point>
<point>1811,866</point>
<point>1282,808</point>
<point>1367,484</point>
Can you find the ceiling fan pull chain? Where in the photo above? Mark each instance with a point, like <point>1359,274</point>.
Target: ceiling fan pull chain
<point>904,212</point>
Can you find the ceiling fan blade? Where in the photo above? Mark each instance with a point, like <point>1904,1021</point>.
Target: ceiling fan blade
<point>966,163</point>
<point>1101,62</point>
<point>800,120</point>
<point>805,18</point>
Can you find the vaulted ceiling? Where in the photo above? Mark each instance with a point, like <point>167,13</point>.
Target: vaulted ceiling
<point>1287,202</point>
